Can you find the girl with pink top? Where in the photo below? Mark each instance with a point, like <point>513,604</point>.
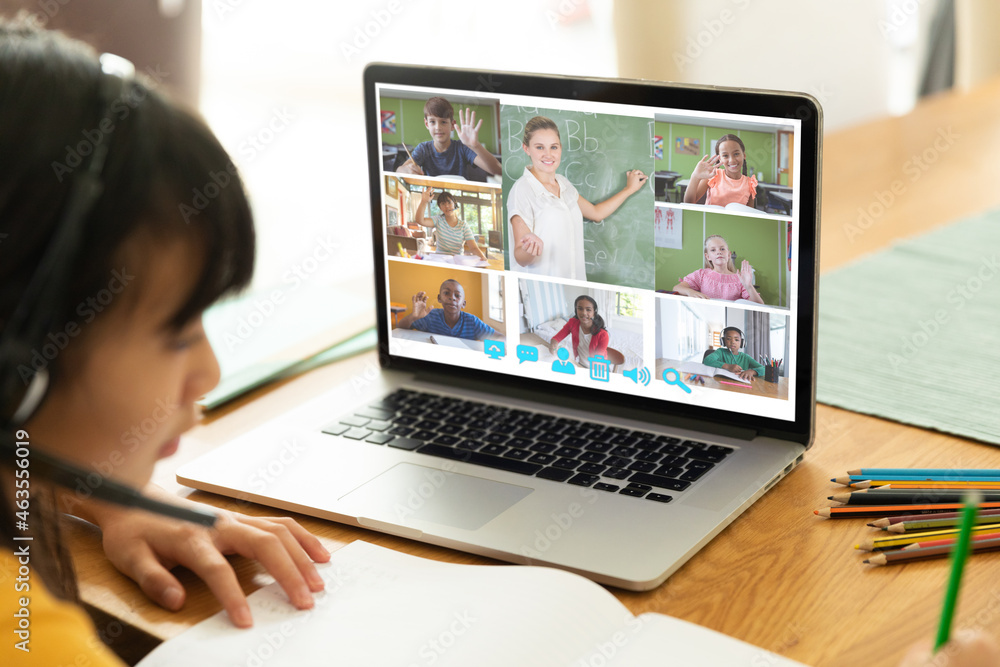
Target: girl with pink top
<point>728,185</point>
<point>719,279</point>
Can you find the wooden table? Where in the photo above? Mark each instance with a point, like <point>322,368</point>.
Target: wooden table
<point>778,577</point>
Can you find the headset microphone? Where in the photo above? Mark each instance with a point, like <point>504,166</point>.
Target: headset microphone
<point>21,395</point>
<point>71,476</point>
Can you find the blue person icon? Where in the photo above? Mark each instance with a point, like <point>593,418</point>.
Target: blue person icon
<point>563,365</point>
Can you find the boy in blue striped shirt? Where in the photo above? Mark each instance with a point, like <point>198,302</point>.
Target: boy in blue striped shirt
<point>449,319</point>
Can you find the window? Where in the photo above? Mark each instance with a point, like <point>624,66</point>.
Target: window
<point>628,305</point>
<point>495,286</point>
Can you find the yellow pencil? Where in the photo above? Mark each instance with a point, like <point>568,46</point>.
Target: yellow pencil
<point>922,536</point>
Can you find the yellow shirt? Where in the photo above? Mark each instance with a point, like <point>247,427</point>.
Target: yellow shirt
<point>37,628</point>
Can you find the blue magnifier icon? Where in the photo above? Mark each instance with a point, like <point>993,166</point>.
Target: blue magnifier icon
<point>676,381</point>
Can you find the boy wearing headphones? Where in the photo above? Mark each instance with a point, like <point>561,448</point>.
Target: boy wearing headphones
<point>731,359</point>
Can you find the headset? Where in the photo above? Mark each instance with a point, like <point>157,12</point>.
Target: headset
<point>743,339</point>
<point>23,388</point>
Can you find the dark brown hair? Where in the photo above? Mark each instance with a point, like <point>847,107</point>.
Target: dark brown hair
<point>440,107</point>
<point>165,177</point>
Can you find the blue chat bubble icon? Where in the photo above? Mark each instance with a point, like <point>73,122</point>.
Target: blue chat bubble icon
<point>527,353</point>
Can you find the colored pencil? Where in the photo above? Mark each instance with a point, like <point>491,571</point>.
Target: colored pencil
<point>938,523</point>
<point>960,555</point>
<point>735,384</point>
<point>946,541</point>
<point>896,541</point>
<point>905,497</point>
<point>886,479</point>
<point>904,555</point>
<point>964,486</point>
<point>861,511</point>
<point>882,473</point>
<point>888,521</point>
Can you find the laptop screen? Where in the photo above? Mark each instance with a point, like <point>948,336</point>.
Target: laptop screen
<point>648,242</point>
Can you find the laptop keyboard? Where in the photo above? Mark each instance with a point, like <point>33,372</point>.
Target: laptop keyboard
<point>607,458</point>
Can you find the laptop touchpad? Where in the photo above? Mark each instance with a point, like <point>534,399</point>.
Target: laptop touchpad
<point>406,493</point>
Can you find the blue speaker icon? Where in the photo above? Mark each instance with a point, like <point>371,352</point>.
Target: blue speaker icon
<point>638,375</point>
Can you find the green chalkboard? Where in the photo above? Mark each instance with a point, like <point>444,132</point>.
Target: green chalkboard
<point>597,150</point>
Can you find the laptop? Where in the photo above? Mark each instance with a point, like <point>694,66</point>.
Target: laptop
<point>505,420</point>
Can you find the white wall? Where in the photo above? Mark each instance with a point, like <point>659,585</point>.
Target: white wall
<point>859,58</point>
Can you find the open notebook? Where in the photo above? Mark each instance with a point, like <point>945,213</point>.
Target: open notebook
<point>382,607</point>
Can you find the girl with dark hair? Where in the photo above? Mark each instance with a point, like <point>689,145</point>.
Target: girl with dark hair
<point>121,220</point>
<point>453,234</point>
<point>729,184</point>
<point>587,331</point>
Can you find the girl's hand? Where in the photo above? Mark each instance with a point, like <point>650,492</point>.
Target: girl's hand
<point>634,180</point>
<point>966,649</point>
<point>746,274</point>
<point>532,244</point>
<point>426,195</point>
<point>468,133</point>
<point>145,547</point>
<point>553,347</point>
<point>747,375</point>
<point>705,168</point>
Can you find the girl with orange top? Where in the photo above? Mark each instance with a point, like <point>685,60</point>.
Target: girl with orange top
<point>722,179</point>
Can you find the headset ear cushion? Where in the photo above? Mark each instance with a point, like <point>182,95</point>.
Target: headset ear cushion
<point>32,398</point>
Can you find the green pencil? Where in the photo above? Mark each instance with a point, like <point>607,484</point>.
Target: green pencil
<point>958,558</point>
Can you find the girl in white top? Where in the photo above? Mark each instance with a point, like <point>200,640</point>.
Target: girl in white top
<point>546,212</point>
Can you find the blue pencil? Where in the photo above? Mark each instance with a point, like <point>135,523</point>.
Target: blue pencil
<point>880,473</point>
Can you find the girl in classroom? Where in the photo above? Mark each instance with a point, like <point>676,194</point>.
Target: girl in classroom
<point>546,211</point>
<point>453,234</point>
<point>108,225</point>
<point>719,279</point>
<point>587,332</point>
<point>729,184</point>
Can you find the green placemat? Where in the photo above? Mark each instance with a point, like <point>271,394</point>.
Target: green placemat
<point>912,333</point>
